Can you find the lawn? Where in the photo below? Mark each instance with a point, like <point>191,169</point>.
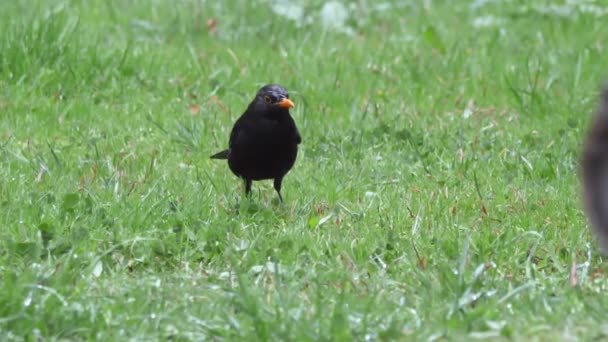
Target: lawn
<point>436,193</point>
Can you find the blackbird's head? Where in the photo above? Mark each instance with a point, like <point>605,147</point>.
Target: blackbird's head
<point>273,98</point>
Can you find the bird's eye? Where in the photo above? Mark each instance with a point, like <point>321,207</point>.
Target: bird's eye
<point>267,99</point>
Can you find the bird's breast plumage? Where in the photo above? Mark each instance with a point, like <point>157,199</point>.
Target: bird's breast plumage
<point>262,147</point>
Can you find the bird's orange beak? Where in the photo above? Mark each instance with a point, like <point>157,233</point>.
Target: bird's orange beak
<point>286,103</point>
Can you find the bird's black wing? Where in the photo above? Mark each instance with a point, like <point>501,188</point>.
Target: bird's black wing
<point>235,133</point>
<point>293,129</point>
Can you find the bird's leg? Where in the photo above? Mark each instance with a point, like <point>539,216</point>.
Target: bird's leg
<point>248,187</point>
<point>277,187</point>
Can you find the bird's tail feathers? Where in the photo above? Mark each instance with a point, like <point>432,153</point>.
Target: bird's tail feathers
<point>221,155</point>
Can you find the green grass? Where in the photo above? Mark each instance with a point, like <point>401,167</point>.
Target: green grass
<point>436,193</point>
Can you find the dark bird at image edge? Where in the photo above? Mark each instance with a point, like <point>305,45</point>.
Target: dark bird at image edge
<point>264,140</point>
<point>594,165</point>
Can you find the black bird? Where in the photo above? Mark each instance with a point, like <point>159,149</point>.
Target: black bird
<point>595,172</point>
<point>264,140</point>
